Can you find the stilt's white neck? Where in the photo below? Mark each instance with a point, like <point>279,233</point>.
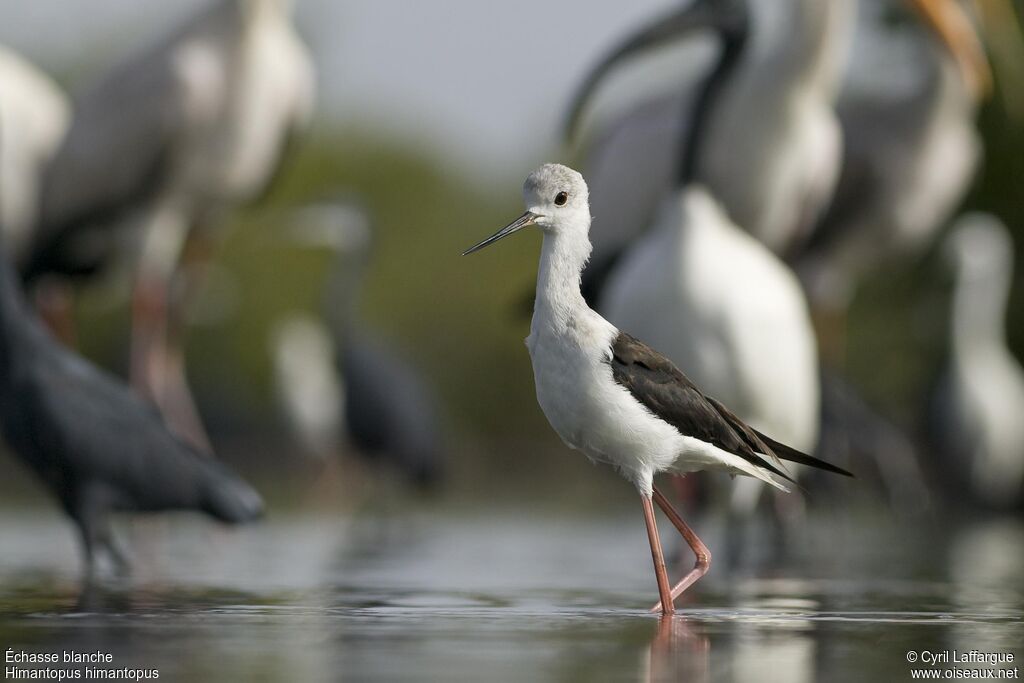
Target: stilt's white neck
<point>562,259</point>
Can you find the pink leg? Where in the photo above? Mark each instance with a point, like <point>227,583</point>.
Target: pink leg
<point>149,331</point>
<point>659,560</point>
<point>700,550</point>
<point>177,403</point>
<point>157,361</point>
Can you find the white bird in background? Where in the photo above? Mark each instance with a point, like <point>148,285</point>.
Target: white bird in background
<point>728,313</point>
<point>611,396</point>
<point>719,304</point>
<point>161,145</point>
<point>976,423</point>
<point>911,147</point>
<point>34,116</point>
<point>771,148</point>
<point>309,389</point>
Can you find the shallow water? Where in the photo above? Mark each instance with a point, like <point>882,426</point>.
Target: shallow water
<point>508,598</point>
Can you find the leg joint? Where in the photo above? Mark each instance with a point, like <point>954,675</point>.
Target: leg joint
<point>703,560</point>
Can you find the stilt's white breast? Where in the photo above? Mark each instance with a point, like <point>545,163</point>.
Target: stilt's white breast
<point>588,409</point>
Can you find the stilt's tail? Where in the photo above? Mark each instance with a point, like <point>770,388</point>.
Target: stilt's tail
<point>764,471</point>
<point>784,452</point>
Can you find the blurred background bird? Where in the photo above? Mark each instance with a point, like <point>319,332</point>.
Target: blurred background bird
<point>338,382</point>
<point>770,140</point>
<point>907,109</point>
<point>974,425</point>
<point>34,115</point>
<point>96,446</point>
<point>159,146</point>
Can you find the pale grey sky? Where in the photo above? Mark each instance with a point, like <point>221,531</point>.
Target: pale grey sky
<point>488,80</point>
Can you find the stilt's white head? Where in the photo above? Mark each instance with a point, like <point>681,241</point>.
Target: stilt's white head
<point>557,202</point>
<point>556,195</point>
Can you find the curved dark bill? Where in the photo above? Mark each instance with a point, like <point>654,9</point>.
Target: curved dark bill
<point>527,218</point>
<point>700,14</point>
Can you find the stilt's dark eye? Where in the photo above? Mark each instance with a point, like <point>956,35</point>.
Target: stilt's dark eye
<point>561,198</point>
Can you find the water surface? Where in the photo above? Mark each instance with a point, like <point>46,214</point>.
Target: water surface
<point>507,598</point>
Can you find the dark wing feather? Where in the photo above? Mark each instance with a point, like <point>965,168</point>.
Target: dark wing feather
<point>659,385</point>
<point>785,452</point>
<point>749,435</point>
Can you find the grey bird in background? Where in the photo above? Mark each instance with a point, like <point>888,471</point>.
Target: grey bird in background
<point>93,443</point>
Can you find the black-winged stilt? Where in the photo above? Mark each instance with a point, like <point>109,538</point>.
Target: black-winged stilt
<point>612,396</point>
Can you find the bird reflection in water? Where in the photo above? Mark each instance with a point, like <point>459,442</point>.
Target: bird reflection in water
<point>677,653</point>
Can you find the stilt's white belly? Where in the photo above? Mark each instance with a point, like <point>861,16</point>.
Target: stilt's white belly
<point>591,412</point>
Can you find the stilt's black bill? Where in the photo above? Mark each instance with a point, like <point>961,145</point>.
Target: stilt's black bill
<point>526,219</point>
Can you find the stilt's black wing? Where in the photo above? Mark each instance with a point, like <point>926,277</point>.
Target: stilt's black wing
<point>659,385</point>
